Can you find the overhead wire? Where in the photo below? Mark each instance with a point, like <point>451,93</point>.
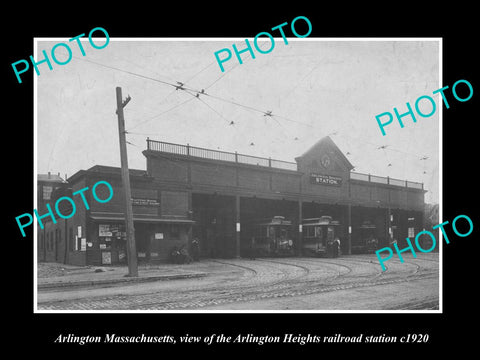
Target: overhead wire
<point>198,73</point>
<point>190,79</point>
<point>127,72</point>
<point>181,86</point>
<point>224,73</point>
<point>160,114</point>
<point>211,108</point>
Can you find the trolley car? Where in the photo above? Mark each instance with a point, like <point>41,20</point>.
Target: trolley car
<point>367,241</point>
<point>274,237</point>
<point>319,236</point>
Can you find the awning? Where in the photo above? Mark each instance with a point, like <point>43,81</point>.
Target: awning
<point>140,219</point>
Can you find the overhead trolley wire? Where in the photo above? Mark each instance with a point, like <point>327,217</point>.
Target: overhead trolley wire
<point>229,122</point>
<point>199,72</point>
<point>224,73</point>
<point>127,72</point>
<point>181,86</point>
<point>160,114</point>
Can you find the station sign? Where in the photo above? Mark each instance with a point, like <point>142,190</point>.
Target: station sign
<point>325,179</point>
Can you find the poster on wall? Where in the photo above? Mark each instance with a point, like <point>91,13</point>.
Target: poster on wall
<point>83,244</point>
<point>411,232</point>
<point>106,257</point>
<point>104,230</point>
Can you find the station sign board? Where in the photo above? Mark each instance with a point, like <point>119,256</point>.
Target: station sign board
<point>325,179</point>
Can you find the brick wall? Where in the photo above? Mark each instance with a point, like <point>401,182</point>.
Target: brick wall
<point>139,190</point>
<point>254,179</point>
<point>214,174</point>
<point>359,192</point>
<point>311,163</point>
<point>370,193</point>
<point>174,203</point>
<point>210,174</point>
<point>165,169</point>
<point>284,182</point>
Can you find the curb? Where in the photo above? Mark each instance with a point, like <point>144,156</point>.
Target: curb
<point>68,284</point>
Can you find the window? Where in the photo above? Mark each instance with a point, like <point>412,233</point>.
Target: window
<point>47,192</point>
<point>309,231</point>
<point>271,231</point>
<point>330,232</point>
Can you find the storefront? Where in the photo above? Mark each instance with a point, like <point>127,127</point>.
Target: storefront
<point>154,238</point>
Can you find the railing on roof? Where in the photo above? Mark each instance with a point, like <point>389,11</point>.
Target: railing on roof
<point>260,161</point>
<point>385,180</point>
<point>218,155</point>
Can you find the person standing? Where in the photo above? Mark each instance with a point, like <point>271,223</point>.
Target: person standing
<point>336,247</point>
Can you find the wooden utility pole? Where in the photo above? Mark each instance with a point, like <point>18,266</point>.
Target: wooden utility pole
<point>131,248</point>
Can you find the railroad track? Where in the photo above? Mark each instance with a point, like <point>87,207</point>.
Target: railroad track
<point>292,279</point>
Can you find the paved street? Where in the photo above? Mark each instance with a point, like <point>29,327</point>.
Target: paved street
<point>353,282</point>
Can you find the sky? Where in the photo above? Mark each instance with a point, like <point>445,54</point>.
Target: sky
<point>313,87</point>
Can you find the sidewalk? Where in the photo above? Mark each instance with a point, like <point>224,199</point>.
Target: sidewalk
<point>55,275</point>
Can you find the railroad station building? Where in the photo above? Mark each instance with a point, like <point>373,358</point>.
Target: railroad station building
<point>189,192</point>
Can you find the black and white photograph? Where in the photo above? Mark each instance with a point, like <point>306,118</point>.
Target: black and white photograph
<point>267,186</point>
<point>190,179</point>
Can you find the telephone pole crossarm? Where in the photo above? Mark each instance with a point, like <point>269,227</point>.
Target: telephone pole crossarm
<point>124,103</point>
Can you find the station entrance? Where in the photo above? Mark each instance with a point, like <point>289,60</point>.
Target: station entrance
<point>214,227</point>
<point>375,228</point>
<point>225,224</point>
<point>223,220</point>
<point>255,213</point>
<point>314,209</point>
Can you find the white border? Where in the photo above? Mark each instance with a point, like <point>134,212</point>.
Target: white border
<point>35,189</point>
<point>440,253</point>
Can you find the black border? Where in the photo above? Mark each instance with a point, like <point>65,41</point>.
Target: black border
<point>454,25</point>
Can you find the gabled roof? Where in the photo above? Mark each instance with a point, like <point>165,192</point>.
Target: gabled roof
<point>329,143</point>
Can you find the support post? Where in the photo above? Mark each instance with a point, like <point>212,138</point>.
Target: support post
<point>131,248</point>
<point>300,227</point>
<point>237,226</point>
<point>389,226</point>
<point>349,229</point>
